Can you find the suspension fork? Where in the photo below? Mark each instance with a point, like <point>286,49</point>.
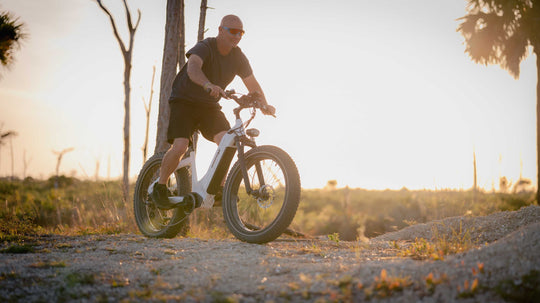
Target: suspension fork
<point>240,142</point>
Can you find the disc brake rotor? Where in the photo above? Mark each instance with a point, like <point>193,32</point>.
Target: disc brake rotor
<point>266,196</point>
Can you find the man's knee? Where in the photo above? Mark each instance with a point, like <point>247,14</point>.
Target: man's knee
<point>219,136</point>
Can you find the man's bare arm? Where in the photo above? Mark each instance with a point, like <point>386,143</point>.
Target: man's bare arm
<point>253,86</point>
<point>195,74</point>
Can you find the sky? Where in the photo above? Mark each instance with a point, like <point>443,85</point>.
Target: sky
<point>372,94</point>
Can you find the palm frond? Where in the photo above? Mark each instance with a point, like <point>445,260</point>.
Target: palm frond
<point>515,50</point>
<point>11,33</point>
<point>499,32</point>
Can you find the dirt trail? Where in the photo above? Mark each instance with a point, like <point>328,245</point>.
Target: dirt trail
<point>134,268</point>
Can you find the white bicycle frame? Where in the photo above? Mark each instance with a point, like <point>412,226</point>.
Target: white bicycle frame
<point>200,187</point>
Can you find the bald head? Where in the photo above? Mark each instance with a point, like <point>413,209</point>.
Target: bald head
<point>232,21</point>
<point>230,33</point>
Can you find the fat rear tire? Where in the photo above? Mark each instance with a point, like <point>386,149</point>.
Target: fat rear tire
<point>153,222</point>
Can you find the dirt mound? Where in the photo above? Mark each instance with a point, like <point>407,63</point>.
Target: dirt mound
<point>481,229</point>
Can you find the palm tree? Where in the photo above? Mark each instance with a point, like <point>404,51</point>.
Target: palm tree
<point>503,32</point>
<point>11,33</point>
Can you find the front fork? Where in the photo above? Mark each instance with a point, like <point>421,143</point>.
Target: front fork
<point>240,143</point>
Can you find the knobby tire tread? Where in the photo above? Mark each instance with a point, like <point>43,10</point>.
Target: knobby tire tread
<point>291,201</point>
<point>169,231</point>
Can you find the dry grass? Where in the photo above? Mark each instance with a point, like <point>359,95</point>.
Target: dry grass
<point>439,246</point>
<point>87,208</point>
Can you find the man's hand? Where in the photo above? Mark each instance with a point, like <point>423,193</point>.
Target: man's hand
<point>214,90</point>
<point>268,110</point>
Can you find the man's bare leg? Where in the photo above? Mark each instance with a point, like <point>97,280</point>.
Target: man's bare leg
<point>160,192</point>
<point>172,158</point>
<point>219,136</point>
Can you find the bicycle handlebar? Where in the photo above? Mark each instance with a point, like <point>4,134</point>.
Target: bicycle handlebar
<point>251,100</point>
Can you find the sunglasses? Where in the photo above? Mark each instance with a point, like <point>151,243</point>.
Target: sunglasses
<point>235,31</point>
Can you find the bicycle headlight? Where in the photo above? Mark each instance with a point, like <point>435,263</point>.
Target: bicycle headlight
<point>252,132</point>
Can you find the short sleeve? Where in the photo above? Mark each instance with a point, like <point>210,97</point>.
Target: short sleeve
<point>200,49</point>
<point>244,68</point>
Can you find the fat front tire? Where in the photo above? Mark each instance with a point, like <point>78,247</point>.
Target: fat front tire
<point>154,222</point>
<point>262,218</point>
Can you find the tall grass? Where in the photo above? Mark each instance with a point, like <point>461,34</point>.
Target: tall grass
<point>76,206</point>
<point>72,205</point>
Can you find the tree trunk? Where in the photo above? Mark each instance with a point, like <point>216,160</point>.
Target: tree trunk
<point>127,93</point>
<point>202,20</point>
<point>148,110</point>
<point>168,69</point>
<point>126,53</point>
<point>12,159</point>
<point>182,42</point>
<point>537,53</point>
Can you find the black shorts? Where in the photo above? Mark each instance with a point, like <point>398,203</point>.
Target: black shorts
<point>187,117</point>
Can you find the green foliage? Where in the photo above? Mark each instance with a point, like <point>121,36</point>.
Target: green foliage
<point>524,289</point>
<point>334,237</point>
<point>18,249</point>
<point>75,278</point>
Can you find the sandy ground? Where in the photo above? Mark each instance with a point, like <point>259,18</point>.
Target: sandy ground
<point>132,268</point>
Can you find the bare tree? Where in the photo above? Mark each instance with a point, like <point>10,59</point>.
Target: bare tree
<point>109,167</point>
<point>182,42</point>
<point>148,109</point>
<point>12,157</point>
<point>96,173</point>
<point>171,52</point>
<point>202,20</point>
<point>26,162</point>
<point>127,54</point>
<point>200,37</point>
<point>4,136</point>
<point>59,156</point>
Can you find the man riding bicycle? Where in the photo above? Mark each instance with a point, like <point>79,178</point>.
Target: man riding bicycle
<point>212,65</point>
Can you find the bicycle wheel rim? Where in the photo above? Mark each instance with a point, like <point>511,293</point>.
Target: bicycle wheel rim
<point>154,221</point>
<point>257,216</point>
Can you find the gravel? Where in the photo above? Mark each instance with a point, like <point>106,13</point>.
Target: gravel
<point>132,268</point>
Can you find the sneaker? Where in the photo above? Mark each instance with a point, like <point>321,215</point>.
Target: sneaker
<point>160,196</point>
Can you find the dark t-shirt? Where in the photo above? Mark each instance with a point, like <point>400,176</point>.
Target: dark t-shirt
<point>219,69</point>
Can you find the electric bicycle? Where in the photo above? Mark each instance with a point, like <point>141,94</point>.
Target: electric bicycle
<point>260,195</point>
